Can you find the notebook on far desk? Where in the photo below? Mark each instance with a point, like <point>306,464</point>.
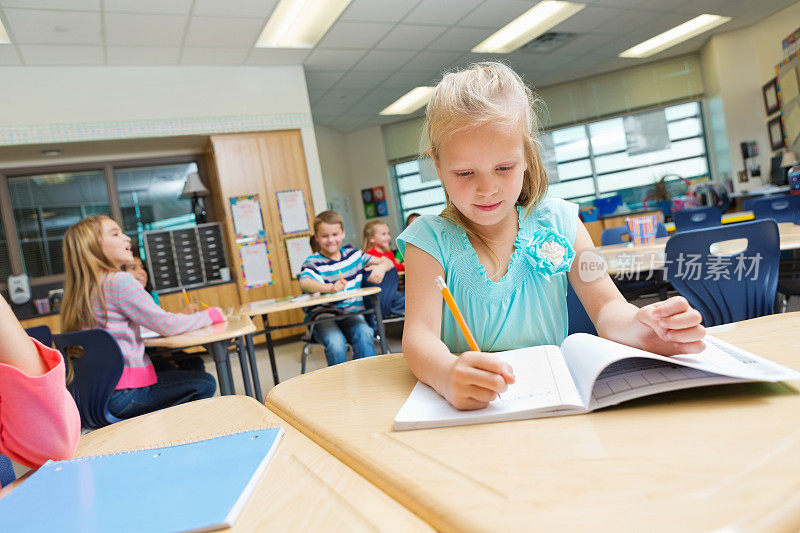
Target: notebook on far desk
<point>196,486</point>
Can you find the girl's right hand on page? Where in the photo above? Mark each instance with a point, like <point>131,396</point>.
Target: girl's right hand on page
<point>475,379</point>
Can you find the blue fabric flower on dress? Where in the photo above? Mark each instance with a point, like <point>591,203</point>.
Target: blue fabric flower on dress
<point>549,252</point>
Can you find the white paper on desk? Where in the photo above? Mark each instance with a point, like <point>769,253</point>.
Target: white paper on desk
<point>292,210</point>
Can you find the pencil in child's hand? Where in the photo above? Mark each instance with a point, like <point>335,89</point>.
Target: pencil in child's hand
<point>204,304</point>
<point>186,297</point>
<point>451,303</point>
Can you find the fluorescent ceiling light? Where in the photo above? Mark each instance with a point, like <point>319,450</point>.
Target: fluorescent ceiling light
<point>527,26</point>
<point>300,23</point>
<point>4,39</point>
<point>676,35</point>
<point>410,102</point>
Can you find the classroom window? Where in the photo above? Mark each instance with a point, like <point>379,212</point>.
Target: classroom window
<point>600,157</point>
<point>45,205</point>
<point>588,160</point>
<point>419,189</point>
<point>150,198</point>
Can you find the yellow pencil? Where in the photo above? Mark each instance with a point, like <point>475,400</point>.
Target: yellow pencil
<point>186,297</point>
<point>204,304</point>
<point>341,277</point>
<point>451,303</point>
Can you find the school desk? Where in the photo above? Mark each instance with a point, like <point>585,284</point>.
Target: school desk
<point>216,339</point>
<point>264,308</point>
<point>629,259</point>
<point>727,218</point>
<point>304,488</point>
<point>710,459</point>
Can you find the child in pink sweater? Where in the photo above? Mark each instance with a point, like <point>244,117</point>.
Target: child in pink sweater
<point>98,294</point>
<point>38,418</point>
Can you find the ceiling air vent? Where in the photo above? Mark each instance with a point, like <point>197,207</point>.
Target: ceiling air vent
<point>548,42</point>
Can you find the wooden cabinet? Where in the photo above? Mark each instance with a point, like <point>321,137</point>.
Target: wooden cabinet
<point>263,164</point>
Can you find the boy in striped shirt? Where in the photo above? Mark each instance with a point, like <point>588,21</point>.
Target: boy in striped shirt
<point>332,269</point>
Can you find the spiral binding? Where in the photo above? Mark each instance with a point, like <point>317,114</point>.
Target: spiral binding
<point>172,444</point>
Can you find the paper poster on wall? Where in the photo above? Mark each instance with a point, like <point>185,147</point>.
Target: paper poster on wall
<point>247,219</point>
<point>256,267</point>
<point>791,121</point>
<point>788,82</point>
<point>292,210</point>
<point>340,203</point>
<point>297,250</point>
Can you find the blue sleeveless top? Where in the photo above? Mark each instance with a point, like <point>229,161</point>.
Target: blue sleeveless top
<point>528,306</point>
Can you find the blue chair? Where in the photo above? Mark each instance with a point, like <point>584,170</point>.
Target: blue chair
<point>579,321</point>
<point>97,373</point>
<point>697,218</point>
<point>7,475</point>
<point>41,334</point>
<point>393,302</point>
<point>785,208</point>
<point>617,235</point>
<point>748,293</point>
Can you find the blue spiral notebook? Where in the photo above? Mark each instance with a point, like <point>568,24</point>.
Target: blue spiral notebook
<point>194,486</point>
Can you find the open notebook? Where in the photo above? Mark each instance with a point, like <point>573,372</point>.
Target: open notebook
<point>588,373</point>
<point>195,486</point>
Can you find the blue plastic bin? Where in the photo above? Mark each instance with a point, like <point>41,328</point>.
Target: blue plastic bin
<point>606,206</point>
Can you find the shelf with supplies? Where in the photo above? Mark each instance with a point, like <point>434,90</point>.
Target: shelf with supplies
<point>187,257</point>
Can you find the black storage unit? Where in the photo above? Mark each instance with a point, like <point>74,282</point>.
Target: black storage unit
<point>185,258</point>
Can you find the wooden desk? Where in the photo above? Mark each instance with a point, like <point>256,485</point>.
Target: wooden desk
<point>263,308</point>
<point>727,218</point>
<point>626,258</point>
<point>715,458</point>
<point>304,488</point>
<point>215,339</point>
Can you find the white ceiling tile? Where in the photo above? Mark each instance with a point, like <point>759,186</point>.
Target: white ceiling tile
<point>223,32</point>
<point>590,18</point>
<point>383,97</point>
<point>365,109</point>
<point>358,80</point>
<point>126,29</point>
<point>460,39</point>
<point>386,60</point>
<point>66,5</point>
<point>9,55</point>
<point>441,11</point>
<point>411,36</point>
<point>495,13</point>
<point>432,60</point>
<point>316,94</point>
<point>34,54</point>
<point>322,80</point>
<point>333,110</point>
<point>163,7</point>
<point>627,4</point>
<point>213,56</point>
<point>142,55</point>
<point>586,43</point>
<point>342,96</point>
<point>625,22</point>
<point>277,56</point>
<point>354,35</point>
<point>235,8</point>
<point>30,26</point>
<point>376,10</point>
<point>328,59</point>
<point>408,79</point>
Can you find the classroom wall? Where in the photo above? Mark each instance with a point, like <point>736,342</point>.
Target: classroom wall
<point>51,105</point>
<point>735,66</point>
<point>361,159</point>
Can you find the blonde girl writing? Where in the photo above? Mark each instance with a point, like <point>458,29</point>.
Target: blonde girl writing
<point>506,252</point>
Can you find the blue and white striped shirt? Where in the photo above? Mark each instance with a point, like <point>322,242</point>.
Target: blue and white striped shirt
<point>325,270</point>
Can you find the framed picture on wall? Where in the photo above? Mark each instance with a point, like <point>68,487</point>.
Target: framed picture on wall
<point>775,129</point>
<point>770,91</point>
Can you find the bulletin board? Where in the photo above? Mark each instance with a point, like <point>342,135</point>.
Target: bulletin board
<point>788,77</point>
